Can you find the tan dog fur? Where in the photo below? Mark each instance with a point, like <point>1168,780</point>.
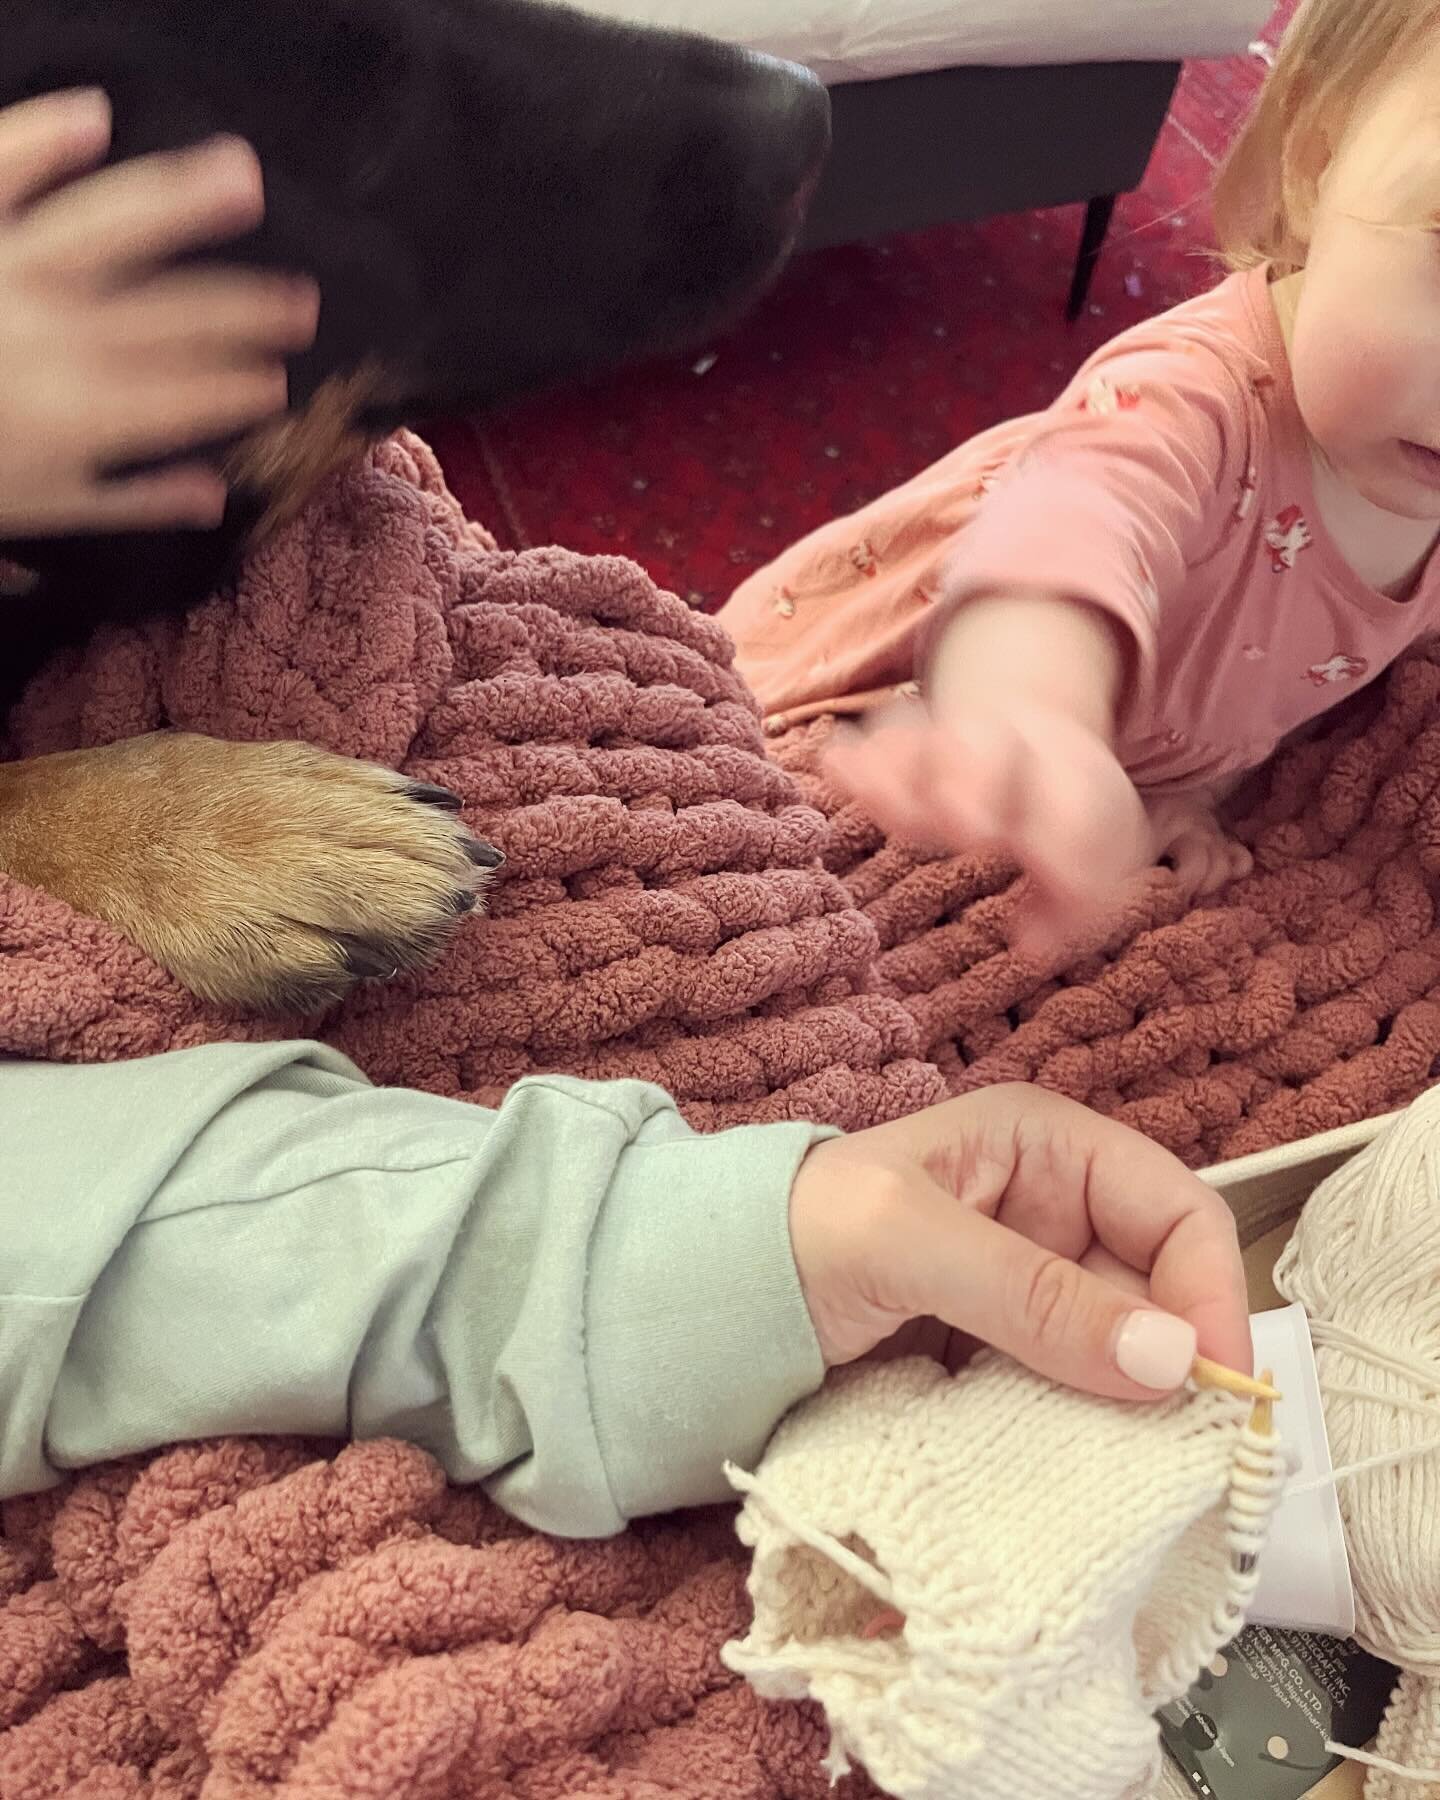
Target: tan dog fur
<point>260,875</point>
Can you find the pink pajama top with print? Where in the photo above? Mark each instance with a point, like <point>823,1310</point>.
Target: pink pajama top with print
<point>1170,486</point>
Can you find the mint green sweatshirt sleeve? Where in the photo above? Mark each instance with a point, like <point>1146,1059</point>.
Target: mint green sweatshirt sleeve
<point>575,1300</point>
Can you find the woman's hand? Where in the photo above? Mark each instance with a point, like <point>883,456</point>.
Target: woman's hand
<point>108,354</point>
<point>1023,1220</point>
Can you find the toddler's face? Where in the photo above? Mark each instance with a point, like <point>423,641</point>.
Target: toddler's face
<point>1365,339</point>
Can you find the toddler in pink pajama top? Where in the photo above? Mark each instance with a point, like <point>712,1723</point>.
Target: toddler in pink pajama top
<point>1073,634</point>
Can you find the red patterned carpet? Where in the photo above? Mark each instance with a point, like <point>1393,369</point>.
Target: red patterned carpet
<point>863,366</point>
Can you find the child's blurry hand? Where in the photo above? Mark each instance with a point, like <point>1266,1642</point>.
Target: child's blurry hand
<point>1030,1223</point>
<point>1186,830</point>
<point>106,358</point>
<point>1009,753</point>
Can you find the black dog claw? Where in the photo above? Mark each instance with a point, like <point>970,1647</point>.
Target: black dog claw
<point>484,856</point>
<point>428,794</point>
<point>369,965</point>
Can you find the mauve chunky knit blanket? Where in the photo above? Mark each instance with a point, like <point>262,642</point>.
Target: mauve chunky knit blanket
<point>251,1618</point>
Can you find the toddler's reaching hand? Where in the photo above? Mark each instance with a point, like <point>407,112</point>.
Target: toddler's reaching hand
<point>1185,831</point>
<point>1010,751</point>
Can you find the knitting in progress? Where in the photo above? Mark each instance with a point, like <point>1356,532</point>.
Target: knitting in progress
<point>1365,1264</point>
<point>1064,1566</point>
<point>242,1619</point>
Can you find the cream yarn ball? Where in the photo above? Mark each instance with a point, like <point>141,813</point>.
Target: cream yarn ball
<point>1364,1262</point>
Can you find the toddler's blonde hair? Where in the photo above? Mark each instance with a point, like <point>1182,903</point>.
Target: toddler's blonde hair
<point>1330,61</point>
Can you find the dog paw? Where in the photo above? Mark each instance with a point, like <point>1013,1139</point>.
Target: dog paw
<point>262,876</point>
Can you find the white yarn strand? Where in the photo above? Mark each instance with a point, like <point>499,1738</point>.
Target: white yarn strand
<point>1327,1334</point>
<point>1383,1763</point>
<point>1383,1459</point>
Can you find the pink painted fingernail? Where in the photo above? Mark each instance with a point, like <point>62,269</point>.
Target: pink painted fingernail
<point>884,1624</point>
<point>1155,1350</point>
<point>232,169</point>
<point>212,497</point>
<point>88,111</point>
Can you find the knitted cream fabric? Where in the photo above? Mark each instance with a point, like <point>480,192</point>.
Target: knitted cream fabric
<point>1064,1565</point>
<point>1410,1739</point>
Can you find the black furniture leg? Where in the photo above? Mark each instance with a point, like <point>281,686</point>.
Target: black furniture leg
<point>1092,239</point>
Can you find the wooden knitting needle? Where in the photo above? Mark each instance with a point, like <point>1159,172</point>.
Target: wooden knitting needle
<point>1207,1374</point>
<point>1262,1414</point>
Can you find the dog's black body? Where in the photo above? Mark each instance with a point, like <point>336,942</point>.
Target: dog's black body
<point>494,195</point>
